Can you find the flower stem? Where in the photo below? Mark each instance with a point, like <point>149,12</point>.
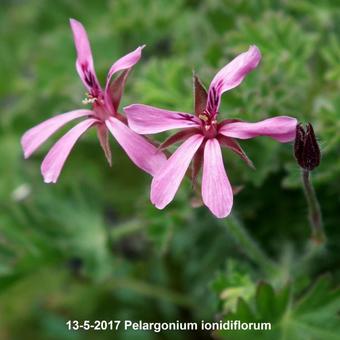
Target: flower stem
<point>249,246</point>
<point>314,211</point>
<point>126,228</point>
<point>154,291</point>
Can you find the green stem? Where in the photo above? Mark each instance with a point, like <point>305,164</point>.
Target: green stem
<point>249,246</point>
<point>151,290</point>
<point>126,229</point>
<point>314,211</point>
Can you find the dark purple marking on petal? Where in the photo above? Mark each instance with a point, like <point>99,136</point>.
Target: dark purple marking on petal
<point>90,79</point>
<point>187,116</point>
<point>213,101</point>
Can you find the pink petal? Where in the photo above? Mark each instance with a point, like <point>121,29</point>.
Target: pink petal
<point>231,76</point>
<point>33,138</point>
<point>84,63</point>
<point>145,119</point>
<point>145,155</point>
<point>281,128</point>
<point>166,182</point>
<point>56,157</point>
<point>124,63</point>
<point>217,193</point>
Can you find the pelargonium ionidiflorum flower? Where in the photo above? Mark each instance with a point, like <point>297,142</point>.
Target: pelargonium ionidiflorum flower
<point>203,137</point>
<point>103,115</point>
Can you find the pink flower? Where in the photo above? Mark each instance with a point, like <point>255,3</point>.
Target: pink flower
<point>103,115</point>
<point>203,137</point>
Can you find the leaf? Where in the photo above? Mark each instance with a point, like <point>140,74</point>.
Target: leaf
<point>232,285</point>
<point>265,301</point>
<point>244,311</point>
<point>313,316</point>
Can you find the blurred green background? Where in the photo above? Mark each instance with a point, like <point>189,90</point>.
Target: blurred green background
<point>92,247</point>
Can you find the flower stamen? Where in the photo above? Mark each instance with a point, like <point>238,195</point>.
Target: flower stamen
<point>89,99</point>
<point>203,117</point>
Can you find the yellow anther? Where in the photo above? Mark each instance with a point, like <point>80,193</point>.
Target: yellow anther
<point>89,99</point>
<point>203,117</point>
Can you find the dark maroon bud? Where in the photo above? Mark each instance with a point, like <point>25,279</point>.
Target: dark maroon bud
<point>306,148</point>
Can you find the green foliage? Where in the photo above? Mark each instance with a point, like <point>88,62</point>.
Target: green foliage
<point>93,247</point>
<point>309,316</point>
<point>232,284</point>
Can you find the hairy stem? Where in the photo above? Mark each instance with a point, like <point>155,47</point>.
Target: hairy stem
<point>126,228</point>
<point>314,211</point>
<point>154,291</point>
<point>249,246</point>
